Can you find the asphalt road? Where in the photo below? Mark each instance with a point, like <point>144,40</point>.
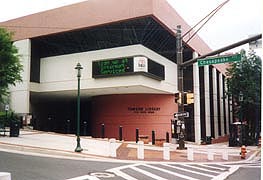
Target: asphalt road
<point>26,167</point>
<point>246,173</point>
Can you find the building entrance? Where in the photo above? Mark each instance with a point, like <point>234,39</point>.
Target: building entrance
<point>60,115</point>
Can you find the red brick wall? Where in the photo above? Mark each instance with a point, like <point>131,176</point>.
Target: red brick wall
<point>144,111</point>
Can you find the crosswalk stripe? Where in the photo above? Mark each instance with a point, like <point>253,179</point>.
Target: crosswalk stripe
<point>224,175</point>
<point>199,168</point>
<point>148,173</point>
<point>170,172</point>
<point>212,167</point>
<point>122,174</point>
<point>254,166</point>
<point>187,170</point>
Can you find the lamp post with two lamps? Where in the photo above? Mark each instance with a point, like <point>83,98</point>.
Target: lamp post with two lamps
<point>78,68</point>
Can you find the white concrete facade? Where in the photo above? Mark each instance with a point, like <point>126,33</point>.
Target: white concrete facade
<point>197,118</point>
<point>207,101</point>
<point>51,80</point>
<point>58,76</point>
<point>19,94</point>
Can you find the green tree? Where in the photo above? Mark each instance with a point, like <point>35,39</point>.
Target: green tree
<point>10,66</point>
<point>245,77</point>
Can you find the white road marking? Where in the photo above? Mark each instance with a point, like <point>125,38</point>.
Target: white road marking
<point>212,167</point>
<point>122,167</point>
<point>85,177</point>
<point>121,174</point>
<point>148,173</point>
<point>202,169</point>
<point>187,170</point>
<point>227,173</point>
<point>170,172</point>
<point>252,166</point>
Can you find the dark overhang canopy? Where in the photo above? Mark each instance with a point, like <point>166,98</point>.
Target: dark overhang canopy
<point>146,31</point>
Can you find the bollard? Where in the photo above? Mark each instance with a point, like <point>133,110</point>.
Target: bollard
<point>50,124</point>
<point>153,137</point>
<point>113,147</point>
<point>102,131</point>
<point>21,122</point>
<point>137,135</point>
<point>68,126</point>
<point>166,151</point>
<point>85,125</point>
<point>210,155</point>
<point>5,176</point>
<point>167,137</point>
<point>120,133</point>
<point>225,154</point>
<point>34,120</point>
<point>190,153</point>
<point>140,150</point>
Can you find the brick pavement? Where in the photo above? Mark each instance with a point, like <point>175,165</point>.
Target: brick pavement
<point>62,144</point>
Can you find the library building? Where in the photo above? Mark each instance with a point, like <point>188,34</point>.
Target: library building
<point>127,52</point>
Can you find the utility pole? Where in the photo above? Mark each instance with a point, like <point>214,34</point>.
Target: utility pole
<point>180,74</point>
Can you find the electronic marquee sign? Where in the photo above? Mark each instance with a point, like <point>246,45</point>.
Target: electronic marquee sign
<point>128,66</point>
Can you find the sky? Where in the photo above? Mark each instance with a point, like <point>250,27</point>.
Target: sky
<point>236,21</point>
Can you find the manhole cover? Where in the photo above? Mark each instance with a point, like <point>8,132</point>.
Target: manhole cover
<point>102,175</point>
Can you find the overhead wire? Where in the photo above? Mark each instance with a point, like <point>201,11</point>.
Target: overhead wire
<point>208,17</point>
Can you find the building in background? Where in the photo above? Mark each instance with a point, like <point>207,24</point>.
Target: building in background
<point>129,78</point>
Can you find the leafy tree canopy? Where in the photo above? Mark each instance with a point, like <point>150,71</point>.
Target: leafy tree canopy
<point>245,76</point>
<point>10,66</point>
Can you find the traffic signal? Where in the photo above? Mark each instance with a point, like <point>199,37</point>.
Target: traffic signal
<point>177,98</point>
<point>189,98</point>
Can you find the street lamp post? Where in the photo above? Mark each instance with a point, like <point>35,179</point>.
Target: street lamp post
<point>78,68</point>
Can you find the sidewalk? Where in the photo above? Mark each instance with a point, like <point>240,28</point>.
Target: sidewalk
<point>55,144</point>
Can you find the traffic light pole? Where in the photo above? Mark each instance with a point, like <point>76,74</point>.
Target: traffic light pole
<point>180,74</point>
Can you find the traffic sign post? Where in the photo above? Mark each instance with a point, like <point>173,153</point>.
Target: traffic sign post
<point>219,60</point>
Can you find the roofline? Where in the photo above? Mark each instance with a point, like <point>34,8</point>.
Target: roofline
<point>62,19</point>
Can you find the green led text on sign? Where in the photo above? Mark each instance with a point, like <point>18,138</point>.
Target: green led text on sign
<point>219,60</point>
<point>113,67</point>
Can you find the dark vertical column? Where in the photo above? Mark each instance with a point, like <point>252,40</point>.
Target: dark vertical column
<point>137,134</point>
<point>153,137</point>
<point>167,137</point>
<point>202,103</point>
<point>102,131</point>
<point>224,104</point>
<point>85,125</point>
<point>211,101</point>
<point>68,126</point>
<point>120,133</point>
<point>218,105</point>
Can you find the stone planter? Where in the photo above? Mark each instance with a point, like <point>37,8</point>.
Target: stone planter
<point>159,142</point>
<point>144,138</point>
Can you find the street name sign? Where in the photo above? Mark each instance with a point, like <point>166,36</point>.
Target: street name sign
<point>219,60</point>
<point>181,114</point>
